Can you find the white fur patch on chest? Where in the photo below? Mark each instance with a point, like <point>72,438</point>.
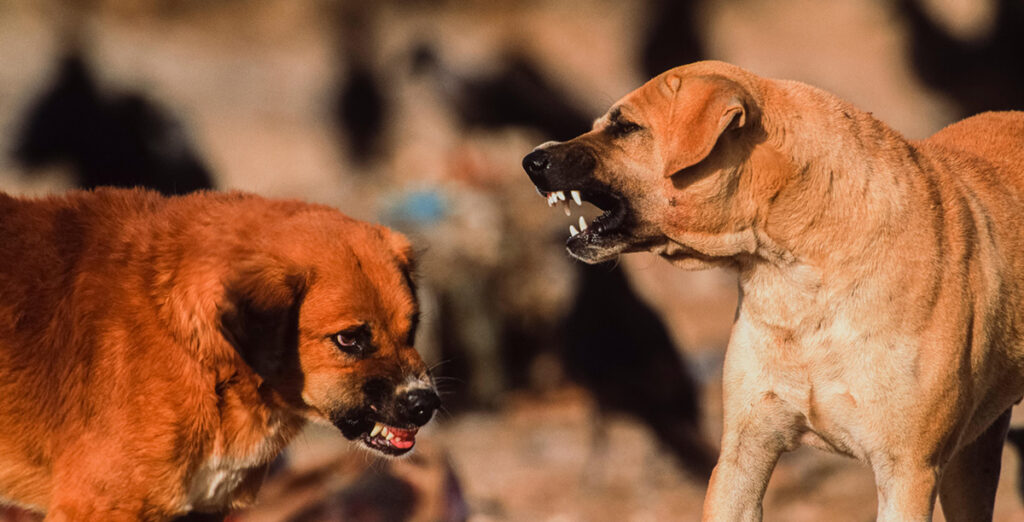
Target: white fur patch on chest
<point>214,483</point>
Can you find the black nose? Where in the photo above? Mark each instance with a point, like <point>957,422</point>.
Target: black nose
<point>536,162</point>
<point>418,406</point>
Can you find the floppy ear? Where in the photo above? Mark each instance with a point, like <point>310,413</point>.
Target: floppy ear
<point>702,109</point>
<point>260,315</point>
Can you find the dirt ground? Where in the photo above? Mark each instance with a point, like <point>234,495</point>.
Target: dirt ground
<point>537,458</point>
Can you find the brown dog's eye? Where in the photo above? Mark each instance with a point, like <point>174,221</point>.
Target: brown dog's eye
<point>354,341</point>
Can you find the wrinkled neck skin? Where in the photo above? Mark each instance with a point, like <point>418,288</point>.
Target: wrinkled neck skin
<point>815,209</point>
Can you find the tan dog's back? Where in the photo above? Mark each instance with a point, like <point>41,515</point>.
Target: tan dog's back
<point>996,136</point>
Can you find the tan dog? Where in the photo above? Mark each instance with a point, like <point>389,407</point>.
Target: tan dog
<point>157,353</point>
<point>882,280</point>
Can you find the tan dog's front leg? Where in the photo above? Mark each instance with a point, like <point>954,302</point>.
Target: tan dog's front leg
<point>759,427</point>
<point>906,489</point>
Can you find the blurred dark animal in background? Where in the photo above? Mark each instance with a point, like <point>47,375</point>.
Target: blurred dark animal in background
<point>514,94</point>
<point>1016,438</point>
<point>360,112</point>
<point>618,348</point>
<point>122,140</point>
<point>361,106</point>
<point>673,36</point>
<point>983,74</point>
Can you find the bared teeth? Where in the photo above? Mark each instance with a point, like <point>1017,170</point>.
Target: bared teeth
<point>552,199</point>
<point>576,197</point>
<point>572,231</point>
<point>561,195</point>
<point>377,428</point>
<point>583,224</point>
<point>388,435</point>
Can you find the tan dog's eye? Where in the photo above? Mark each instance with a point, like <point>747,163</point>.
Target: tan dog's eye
<point>622,127</point>
<point>356,341</point>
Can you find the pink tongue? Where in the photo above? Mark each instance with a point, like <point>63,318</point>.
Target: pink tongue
<point>402,443</point>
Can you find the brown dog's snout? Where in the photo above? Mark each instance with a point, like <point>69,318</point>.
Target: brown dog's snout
<point>418,406</point>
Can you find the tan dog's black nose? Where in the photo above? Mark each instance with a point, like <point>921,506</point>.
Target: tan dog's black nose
<point>536,163</point>
<point>418,406</point>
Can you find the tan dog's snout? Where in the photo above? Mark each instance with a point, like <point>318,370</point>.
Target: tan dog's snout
<point>554,166</point>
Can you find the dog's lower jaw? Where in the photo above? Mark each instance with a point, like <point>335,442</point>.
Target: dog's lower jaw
<point>687,258</point>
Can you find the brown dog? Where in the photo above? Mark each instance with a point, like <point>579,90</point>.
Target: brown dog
<point>882,280</point>
<point>156,353</point>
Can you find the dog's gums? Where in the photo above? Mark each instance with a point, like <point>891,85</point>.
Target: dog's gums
<point>389,439</point>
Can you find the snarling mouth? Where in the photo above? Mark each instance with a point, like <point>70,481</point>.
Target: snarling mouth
<point>390,440</point>
<point>601,228</point>
<point>376,435</point>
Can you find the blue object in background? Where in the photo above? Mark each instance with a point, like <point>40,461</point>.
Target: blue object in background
<point>419,207</point>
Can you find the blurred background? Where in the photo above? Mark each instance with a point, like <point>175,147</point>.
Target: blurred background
<point>572,392</point>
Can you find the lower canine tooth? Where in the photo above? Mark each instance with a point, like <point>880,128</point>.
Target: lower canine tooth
<point>573,231</point>
<point>583,224</point>
<point>376,429</point>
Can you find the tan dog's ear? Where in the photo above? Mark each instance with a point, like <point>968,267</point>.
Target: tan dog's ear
<point>260,315</point>
<point>702,109</point>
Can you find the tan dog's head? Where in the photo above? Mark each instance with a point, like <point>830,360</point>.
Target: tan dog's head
<point>664,163</point>
<point>323,309</point>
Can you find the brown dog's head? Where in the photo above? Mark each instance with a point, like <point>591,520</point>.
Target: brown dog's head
<point>323,309</point>
<point>665,164</point>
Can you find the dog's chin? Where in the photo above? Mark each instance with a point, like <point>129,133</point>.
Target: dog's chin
<point>591,247</point>
<point>377,436</point>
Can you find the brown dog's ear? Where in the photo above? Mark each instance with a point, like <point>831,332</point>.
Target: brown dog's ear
<point>702,109</point>
<point>400,247</point>
<point>260,315</point>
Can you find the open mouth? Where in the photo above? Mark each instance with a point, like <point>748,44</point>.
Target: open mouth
<point>582,234</point>
<point>390,440</point>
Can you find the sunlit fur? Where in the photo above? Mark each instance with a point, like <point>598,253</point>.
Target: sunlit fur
<point>157,353</point>
<point>882,304</point>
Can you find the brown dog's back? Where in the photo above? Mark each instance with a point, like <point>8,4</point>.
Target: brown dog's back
<point>75,277</point>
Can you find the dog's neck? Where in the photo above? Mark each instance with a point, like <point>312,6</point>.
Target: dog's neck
<point>838,215</point>
<point>843,180</point>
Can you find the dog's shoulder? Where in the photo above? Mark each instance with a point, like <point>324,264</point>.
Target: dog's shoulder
<point>995,136</point>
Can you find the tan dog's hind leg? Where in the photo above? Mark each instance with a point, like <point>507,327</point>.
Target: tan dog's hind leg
<point>756,433</point>
<point>968,486</point>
